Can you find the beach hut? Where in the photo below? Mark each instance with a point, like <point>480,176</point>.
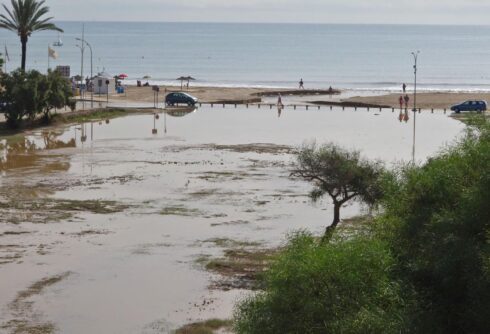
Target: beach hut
<point>104,83</point>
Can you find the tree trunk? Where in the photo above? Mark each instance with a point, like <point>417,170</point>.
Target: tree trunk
<point>23,41</point>
<point>336,220</point>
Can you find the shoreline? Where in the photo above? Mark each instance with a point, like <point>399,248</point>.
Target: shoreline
<point>139,98</point>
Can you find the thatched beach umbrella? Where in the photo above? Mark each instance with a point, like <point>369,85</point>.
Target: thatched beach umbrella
<point>182,79</point>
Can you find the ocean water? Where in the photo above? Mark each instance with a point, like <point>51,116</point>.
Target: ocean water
<point>274,55</point>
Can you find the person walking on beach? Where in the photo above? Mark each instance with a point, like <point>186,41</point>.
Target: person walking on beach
<point>279,101</point>
<point>406,98</point>
<point>301,84</point>
<point>404,87</point>
<point>400,100</point>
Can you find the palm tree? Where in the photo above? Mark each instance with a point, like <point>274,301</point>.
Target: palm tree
<point>25,18</point>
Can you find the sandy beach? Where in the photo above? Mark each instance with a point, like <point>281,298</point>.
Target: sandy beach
<point>239,95</point>
<point>435,100</point>
<point>243,95</point>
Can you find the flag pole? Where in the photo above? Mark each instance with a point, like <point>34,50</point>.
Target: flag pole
<point>48,57</point>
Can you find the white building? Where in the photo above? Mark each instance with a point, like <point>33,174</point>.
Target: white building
<point>104,83</point>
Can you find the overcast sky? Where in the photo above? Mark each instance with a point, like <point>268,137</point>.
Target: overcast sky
<point>297,11</point>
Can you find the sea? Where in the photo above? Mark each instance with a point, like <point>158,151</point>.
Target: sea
<point>347,56</point>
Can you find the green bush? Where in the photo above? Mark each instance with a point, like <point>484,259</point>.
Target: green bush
<point>29,94</point>
<point>336,287</point>
<point>423,267</point>
<point>437,222</point>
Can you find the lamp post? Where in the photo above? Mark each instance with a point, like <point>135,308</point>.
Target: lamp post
<point>415,58</point>
<point>81,78</point>
<point>91,71</point>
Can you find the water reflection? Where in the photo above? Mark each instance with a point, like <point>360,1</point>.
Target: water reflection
<point>280,107</point>
<point>25,152</point>
<point>403,116</point>
<point>174,112</point>
<point>180,112</point>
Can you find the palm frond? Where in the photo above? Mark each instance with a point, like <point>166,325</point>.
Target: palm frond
<point>26,17</point>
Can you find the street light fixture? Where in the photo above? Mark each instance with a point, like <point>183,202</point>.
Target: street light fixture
<point>91,70</point>
<point>415,58</point>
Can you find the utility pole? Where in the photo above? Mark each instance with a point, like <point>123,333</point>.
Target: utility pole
<point>82,48</point>
<point>91,70</point>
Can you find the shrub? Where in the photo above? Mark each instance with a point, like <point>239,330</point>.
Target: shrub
<point>28,94</point>
<point>336,287</point>
<point>437,222</point>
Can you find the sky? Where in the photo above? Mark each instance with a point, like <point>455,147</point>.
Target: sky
<point>290,11</point>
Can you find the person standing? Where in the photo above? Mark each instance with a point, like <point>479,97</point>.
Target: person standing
<point>404,87</point>
<point>406,98</point>
<point>279,101</point>
<point>301,84</point>
<point>400,100</point>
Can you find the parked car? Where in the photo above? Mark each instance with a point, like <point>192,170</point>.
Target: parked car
<point>180,98</point>
<point>478,106</point>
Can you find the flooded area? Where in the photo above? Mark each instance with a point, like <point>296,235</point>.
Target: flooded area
<point>103,225</point>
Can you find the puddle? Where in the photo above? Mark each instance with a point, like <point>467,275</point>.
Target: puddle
<point>128,211</point>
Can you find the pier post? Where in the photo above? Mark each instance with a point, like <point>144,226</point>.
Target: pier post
<point>392,109</point>
<point>306,107</point>
<point>258,105</point>
<point>270,106</point>
<point>330,107</point>
<point>355,108</point>
<point>212,105</point>
<point>294,107</point>
<point>223,105</point>
<point>235,105</point>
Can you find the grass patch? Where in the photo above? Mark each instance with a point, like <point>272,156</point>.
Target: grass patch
<point>39,286</point>
<point>52,210</point>
<point>93,206</point>
<point>205,327</point>
<point>240,268</point>
<point>91,232</point>
<point>91,115</point>
<point>229,243</point>
<point>26,320</point>
<point>179,211</point>
<point>24,327</point>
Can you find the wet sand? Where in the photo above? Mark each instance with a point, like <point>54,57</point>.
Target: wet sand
<point>106,234</point>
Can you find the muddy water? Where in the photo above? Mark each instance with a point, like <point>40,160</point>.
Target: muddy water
<point>126,213</point>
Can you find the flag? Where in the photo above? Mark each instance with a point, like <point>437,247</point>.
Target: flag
<point>52,53</point>
<point>7,58</point>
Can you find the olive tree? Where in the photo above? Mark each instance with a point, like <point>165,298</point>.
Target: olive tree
<point>339,173</point>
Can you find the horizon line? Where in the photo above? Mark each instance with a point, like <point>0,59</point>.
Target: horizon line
<point>277,23</point>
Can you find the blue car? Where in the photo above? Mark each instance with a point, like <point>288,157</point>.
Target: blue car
<point>173,99</point>
<point>478,106</point>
